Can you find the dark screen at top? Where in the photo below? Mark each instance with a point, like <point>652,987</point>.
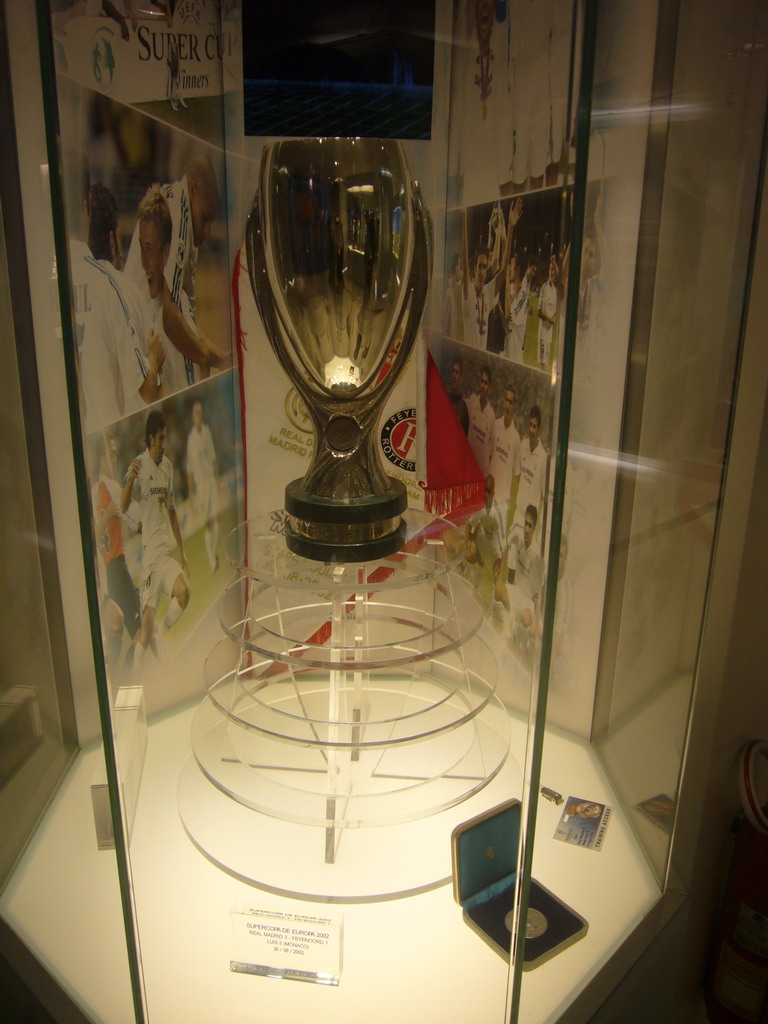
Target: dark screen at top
<point>336,67</point>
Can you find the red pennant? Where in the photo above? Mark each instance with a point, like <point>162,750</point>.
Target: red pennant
<point>455,483</point>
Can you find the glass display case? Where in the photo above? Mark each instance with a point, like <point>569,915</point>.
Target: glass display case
<point>449,777</point>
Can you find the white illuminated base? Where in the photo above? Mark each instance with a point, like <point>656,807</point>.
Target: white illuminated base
<point>405,959</point>
<point>329,861</point>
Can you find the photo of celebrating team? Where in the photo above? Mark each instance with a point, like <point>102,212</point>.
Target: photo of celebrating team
<point>502,310</point>
<point>507,265</point>
<point>499,407</point>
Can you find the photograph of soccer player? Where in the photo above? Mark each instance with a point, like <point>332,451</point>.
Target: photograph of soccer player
<point>176,219</point>
<point>505,454</point>
<point>118,355</point>
<point>149,482</point>
<point>516,306</point>
<point>547,314</point>
<point>532,484</point>
<point>122,360</point>
<point>148,329</point>
<point>121,608</point>
<point>515,243</point>
<point>456,393</point>
<point>203,483</point>
<point>518,594</point>
<point>484,281</point>
<point>481,420</point>
<point>486,543</point>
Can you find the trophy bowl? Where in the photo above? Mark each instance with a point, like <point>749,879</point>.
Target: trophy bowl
<point>339,256</point>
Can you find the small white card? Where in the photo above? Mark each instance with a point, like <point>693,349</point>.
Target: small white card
<point>277,944</point>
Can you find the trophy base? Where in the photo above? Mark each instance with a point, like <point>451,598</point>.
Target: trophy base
<point>336,530</point>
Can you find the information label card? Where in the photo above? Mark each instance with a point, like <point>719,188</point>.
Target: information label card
<point>277,944</point>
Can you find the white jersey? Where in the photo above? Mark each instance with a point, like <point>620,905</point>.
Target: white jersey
<point>489,531</point>
<point>112,333</point>
<point>527,565</point>
<point>533,479</point>
<point>175,372</point>
<point>548,306</point>
<point>529,27</point>
<point>182,261</point>
<point>81,275</point>
<point>477,309</point>
<point>517,317</point>
<point>559,62</point>
<point>505,459</point>
<point>153,490</point>
<point>201,456</point>
<point>481,422</point>
<point>182,264</point>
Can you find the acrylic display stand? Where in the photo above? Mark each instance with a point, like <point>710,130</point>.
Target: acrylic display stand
<point>351,715</point>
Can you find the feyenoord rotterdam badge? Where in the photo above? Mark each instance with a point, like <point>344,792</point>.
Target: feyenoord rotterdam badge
<point>339,255</point>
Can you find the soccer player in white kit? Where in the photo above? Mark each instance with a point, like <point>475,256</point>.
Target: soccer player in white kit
<point>517,294</point>
<point>520,598</point>
<point>533,470</point>
<point>149,481</point>
<point>486,537</point>
<point>121,355</point>
<point>505,454</point>
<point>480,298</point>
<point>191,203</point>
<point>481,421</point>
<point>202,481</point>
<point>547,313</point>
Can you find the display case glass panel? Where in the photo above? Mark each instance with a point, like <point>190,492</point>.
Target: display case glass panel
<point>37,735</point>
<point>428,764</point>
<point>657,355</point>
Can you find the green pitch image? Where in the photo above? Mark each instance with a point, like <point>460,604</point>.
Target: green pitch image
<point>205,585</point>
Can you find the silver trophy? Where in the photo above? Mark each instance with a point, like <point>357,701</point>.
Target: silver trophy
<point>340,255</point>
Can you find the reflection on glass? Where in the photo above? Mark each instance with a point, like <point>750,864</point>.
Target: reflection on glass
<point>34,743</point>
<point>681,368</point>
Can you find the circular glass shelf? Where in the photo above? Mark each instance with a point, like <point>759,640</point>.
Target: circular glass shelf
<point>352,625</point>
<point>349,705</point>
<point>257,548</point>
<point>355,707</point>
